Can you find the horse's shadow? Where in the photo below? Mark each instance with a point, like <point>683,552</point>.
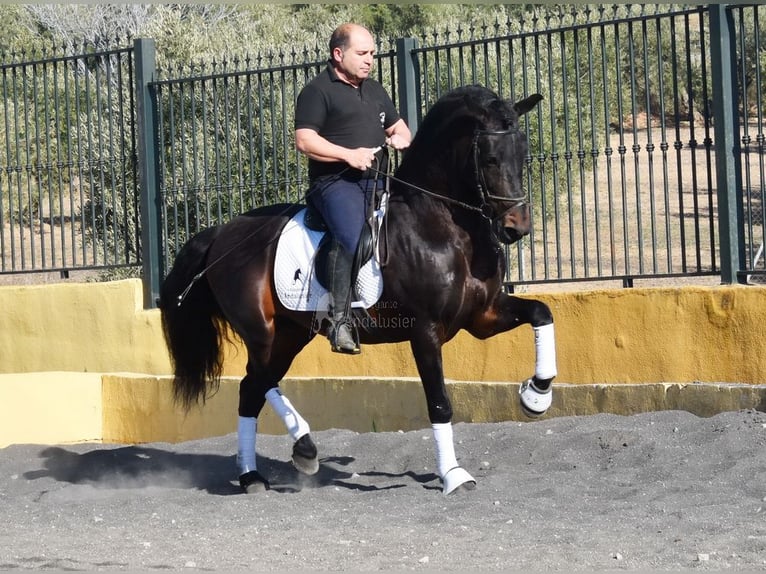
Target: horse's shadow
<point>145,467</point>
<point>284,477</point>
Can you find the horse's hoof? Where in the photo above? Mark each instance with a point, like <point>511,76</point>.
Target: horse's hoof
<point>305,455</point>
<point>455,478</point>
<point>534,401</point>
<point>252,482</point>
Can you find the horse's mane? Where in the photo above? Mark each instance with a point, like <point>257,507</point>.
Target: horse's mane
<point>457,114</point>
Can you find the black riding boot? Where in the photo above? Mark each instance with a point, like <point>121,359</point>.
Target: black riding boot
<point>341,332</point>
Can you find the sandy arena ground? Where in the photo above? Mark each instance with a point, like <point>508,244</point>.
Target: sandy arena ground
<point>664,491</point>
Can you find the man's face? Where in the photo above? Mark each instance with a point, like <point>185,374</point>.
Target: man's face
<point>355,63</point>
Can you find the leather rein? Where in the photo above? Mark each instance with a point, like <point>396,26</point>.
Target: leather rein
<point>484,208</point>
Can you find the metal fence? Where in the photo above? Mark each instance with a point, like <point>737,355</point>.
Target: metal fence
<point>623,161</point>
<point>646,156</point>
<point>68,163</point>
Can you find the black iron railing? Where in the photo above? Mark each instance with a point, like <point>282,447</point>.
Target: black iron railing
<point>646,156</point>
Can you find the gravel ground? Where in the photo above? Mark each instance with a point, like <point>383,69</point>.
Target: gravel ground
<point>664,491</point>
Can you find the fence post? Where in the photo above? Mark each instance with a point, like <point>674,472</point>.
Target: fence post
<point>148,170</point>
<point>727,135</point>
<point>408,69</point>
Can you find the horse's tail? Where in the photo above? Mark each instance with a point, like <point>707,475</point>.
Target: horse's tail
<point>194,326</point>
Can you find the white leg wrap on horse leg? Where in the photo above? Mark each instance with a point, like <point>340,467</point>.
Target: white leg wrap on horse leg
<point>294,422</point>
<point>535,401</point>
<point>246,431</point>
<point>445,448</point>
<point>545,352</point>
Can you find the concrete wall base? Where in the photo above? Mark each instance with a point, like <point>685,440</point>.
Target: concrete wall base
<point>61,407</point>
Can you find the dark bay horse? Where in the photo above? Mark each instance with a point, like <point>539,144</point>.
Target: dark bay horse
<point>456,197</point>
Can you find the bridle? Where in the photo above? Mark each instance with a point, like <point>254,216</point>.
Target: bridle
<point>485,207</point>
<point>481,184</point>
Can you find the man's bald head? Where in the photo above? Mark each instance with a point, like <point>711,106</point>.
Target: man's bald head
<point>342,35</point>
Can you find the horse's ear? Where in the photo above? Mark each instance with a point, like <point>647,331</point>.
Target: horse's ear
<point>523,106</point>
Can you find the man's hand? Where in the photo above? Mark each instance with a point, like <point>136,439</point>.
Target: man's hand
<point>397,142</point>
<point>361,158</point>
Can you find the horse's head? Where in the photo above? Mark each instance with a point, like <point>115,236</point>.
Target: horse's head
<point>499,151</point>
<point>473,147</point>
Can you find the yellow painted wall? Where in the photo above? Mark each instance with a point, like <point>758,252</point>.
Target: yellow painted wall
<point>54,408</point>
<point>79,327</point>
<point>50,408</point>
<point>710,334</point>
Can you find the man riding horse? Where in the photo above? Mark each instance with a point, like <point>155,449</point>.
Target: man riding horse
<point>343,122</point>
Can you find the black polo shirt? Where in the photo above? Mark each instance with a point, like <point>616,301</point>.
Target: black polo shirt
<point>344,115</point>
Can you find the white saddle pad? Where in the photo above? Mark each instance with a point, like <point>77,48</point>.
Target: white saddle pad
<point>295,278</point>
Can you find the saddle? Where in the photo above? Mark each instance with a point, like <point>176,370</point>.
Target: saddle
<point>300,269</point>
<point>312,219</point>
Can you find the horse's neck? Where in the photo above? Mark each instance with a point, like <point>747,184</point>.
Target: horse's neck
<point>486,249</point>
<point>456,225</point>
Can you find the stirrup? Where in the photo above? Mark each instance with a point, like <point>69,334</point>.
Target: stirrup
<point>333,336</point>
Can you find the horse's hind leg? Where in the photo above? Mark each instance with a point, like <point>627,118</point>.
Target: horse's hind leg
<point>250,479</point>
<point>304,449</point>
<point>304,455</point>
<point>267,364</point>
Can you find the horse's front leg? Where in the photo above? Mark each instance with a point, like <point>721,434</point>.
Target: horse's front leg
<point>509,312</point>
<point>428,357</point>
